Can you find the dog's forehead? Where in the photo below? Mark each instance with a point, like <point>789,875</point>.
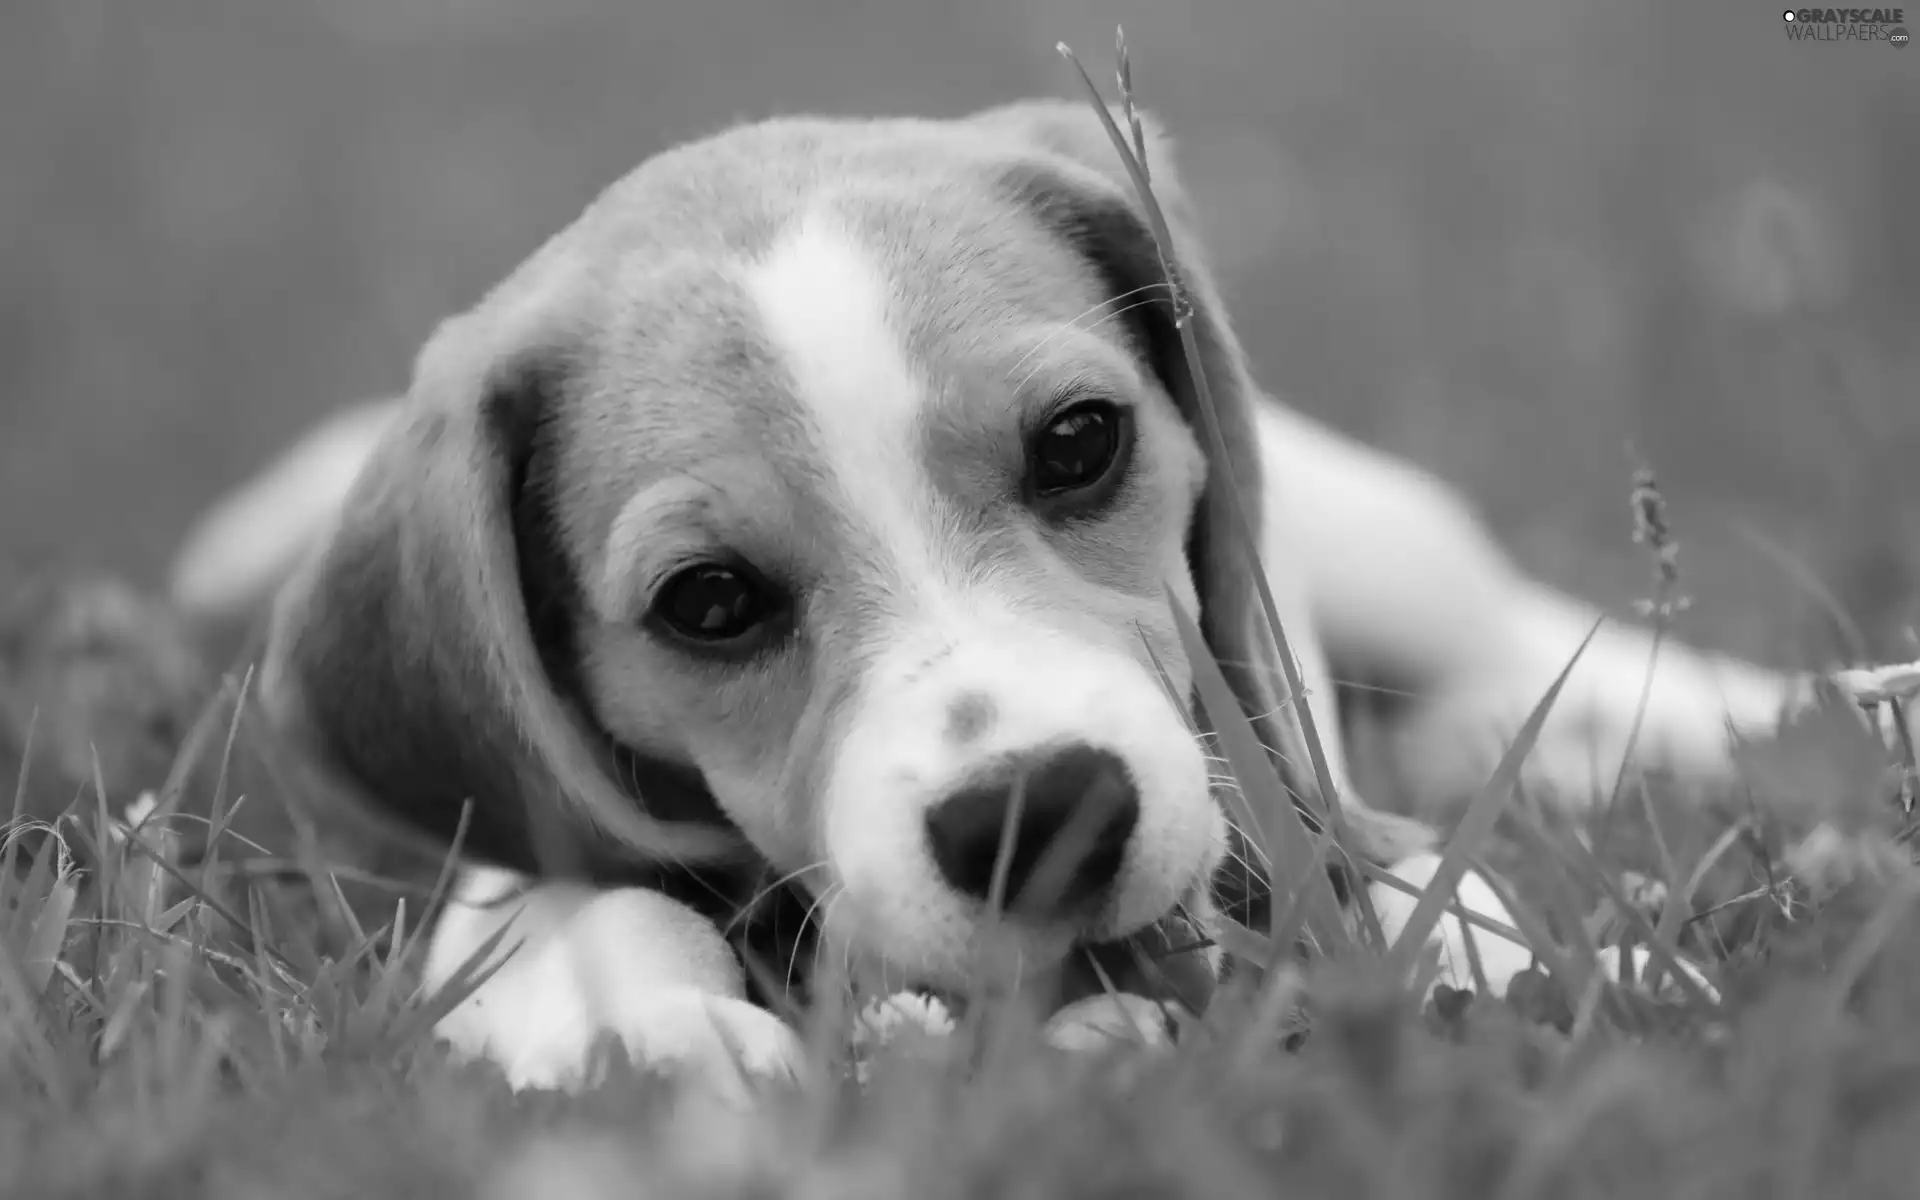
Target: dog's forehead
<point>945,208</point>
<point>722,272</point>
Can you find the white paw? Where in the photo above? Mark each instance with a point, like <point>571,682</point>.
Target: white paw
<point>1098,1022</point>
<point>1500,958</point>
<point>725,1045</point>
<point>1608,960</point>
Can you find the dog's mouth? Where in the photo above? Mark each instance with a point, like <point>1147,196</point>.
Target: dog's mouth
<point>1169,961</point>
<point>1165,962</point>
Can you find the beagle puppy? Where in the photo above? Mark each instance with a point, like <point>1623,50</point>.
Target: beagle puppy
<point>807,513</point>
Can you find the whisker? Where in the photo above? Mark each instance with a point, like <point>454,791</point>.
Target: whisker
<point>818,905</point>
<point>846,958</point>
<point>824,905</point>
<point>746,909</point>
<point>1049,339</point>
<point>1248,840</point>
<point>1234,858</point>
<point>1274,673</point>
<point>1118,312</point>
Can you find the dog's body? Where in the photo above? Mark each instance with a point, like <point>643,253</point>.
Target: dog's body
<point>819,494</point>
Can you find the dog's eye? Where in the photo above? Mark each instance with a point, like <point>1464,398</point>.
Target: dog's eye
<point>713,604</point>
<point>1078,448</point>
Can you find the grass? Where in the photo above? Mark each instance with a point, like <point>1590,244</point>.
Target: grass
<point>174,1021</point>
<point>176,1030</point>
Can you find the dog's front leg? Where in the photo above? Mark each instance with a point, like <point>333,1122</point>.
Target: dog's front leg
<point>583,963</point>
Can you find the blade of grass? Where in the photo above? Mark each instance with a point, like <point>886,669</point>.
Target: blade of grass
<point>380,997</point>
<point>468,977</point>
<point>1246,820</point>
<point>1665,953</point>
<point>1807,580</point>
<point>121,1016</point>
<point>1476,825</point>
<point>1874,933</point>
<point>38,882</point>
<point>1242,942</point>
<point>262,975</point>
<point>1287,925</point>
<point>23,1021</point>
<point>1237,496</point>
<point>449,864</point>
<point>1269,805</point>
<point>1677,913</point>
<point>355,930</point>
<point>219,815</point>
<point>1385,877</point>
<point>1606,814</point>
<point>199,734</point>
<point>1669,866</point>
<point>174,873</point>
<point>1578,957</point>
<point>9,845</point>
<point>48,933</point>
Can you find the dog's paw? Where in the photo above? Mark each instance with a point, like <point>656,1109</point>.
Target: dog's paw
<point>719,1044</point>
<point>1099,1022</point>
<point>1607,958</point>
<point>1499,959</point>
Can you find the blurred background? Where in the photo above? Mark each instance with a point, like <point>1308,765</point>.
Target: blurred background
<point>1508,238</point>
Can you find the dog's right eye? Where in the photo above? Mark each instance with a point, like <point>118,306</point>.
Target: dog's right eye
<point>1077,460</point>
<point>714,604</point>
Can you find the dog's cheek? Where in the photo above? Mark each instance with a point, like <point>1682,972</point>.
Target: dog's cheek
<point>1172,490</point>
<point>749,784</point>
<point>735,731</point>
<point>778,824</point>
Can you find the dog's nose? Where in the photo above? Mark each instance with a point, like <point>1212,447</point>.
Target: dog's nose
<point>1075,809</point>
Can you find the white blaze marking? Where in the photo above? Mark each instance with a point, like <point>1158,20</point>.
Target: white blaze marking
<point>823,303</point>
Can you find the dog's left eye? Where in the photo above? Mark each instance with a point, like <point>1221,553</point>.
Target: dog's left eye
<point>714,604</point>
<point>1078,449</point>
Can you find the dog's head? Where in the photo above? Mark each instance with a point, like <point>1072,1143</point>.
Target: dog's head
<point>824,481</point>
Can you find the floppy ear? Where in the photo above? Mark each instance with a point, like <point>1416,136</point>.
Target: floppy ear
<point>424,653</point>
<point>1079,188</point>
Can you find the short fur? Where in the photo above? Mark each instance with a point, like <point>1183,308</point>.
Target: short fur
<point>818,346</point>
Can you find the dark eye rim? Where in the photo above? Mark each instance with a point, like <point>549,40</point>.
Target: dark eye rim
<point>1070,501</point>
<point>772,625</point>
